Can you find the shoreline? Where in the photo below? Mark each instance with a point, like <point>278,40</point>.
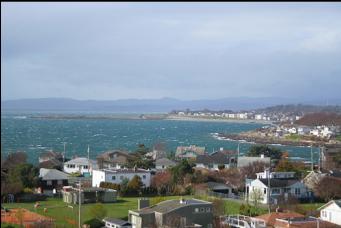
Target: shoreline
<point>219,120</point>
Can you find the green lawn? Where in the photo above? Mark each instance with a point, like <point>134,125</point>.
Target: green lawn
<point>60,211</point>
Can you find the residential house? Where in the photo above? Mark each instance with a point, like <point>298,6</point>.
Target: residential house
<point>245,161</point>
<point>281,187</point>
<point>51,179</point>
<point>173,213</point>
<point>80,165</point>
<point>331,212</point>
<point>116,176</point>
<point>220,188</point>
<point>48,155</point>
<point>164,163</point>
<point>191,151</point>
<point>158,152</point>
<point>216,160</point>
<point>116,223</point>
<point>113,159</point>
<point>51,160</point>
<point>88,195</point>
<point>270,218</point>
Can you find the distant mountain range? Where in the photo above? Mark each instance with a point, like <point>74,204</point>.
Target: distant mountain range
<point>151,105</point>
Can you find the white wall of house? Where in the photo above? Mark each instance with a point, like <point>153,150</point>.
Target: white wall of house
<point>116,177</point>
<point>210,167</point>
<point>331,213</point>
<point>73,168</point>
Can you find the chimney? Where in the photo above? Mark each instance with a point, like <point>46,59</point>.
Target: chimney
<point>142,203</point>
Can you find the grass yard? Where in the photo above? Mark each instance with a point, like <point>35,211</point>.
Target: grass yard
<point>65,216</point>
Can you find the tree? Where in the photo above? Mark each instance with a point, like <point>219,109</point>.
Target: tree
<point>285,165</point>
<point>162,182</point>
<point>256,195</point>
<point>98,211</point>
<point>135,184</point>
<point>250,170</point>
<point>328,188</point>
<point>28,175</point>
<point>14,159</point>
<point>272,152</point>
<point>180,170</point>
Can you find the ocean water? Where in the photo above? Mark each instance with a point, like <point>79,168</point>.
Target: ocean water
<point>35,136</point>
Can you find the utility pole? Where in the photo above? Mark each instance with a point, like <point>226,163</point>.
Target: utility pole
<point>79,204</point>
<point>64,153</point>
<point>312,157</point>
<point>269,188</point>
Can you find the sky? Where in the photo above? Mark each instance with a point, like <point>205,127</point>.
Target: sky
<point>108,51</point>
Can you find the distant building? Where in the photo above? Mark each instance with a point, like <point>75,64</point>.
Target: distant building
<point>116,176</point>
<point>113,159</point>
<point>164,163</point>
<point>328,157</point>
<point>216,160</point>
<point>48,155</point>
<point>173,213</point>
<point>331,212</point>
<point>189,151</point>
<point>82,165</point>
<point>52,179</point>
<point>88,195</point>
<point>116,223</point>
<point>245,161</point>
<point>270,219</point>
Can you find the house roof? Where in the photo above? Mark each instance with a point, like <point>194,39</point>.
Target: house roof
<point>52,174</point>
<point>195,149</point>
<point>279,183</point>
<point>244,161</point>
<point>214,158</point>
<point>217,186</point>
<point>270,219</point>
<point>107,155</point>
<point>81,161</point>
<point>169,205</point>
<point>164,161</point>
<point>116,221</point>
<point>337,202</point>
<point>126,170</point>
<point>53,162</point>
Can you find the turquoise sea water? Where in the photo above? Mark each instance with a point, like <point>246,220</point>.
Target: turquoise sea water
<point>34,136</point>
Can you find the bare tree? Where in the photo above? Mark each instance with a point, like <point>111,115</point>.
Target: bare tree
<point>328,188</point>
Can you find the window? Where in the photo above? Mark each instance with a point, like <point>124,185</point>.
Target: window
<point>113,177</point>
<point>202,209</point>
<point>208,209</point>
<point>49,183</point>
<point>71,166</point>
<point>287,190</point>
<point>275,191</point>
<point>297,191</point>
<point>144,177</point>
<point>264,191</point>
<point>163,166</point>
<point>196,210</point>
<point>85,167</point>
<point>59,182</point>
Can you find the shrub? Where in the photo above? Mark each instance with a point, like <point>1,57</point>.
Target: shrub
<point>94,223</point>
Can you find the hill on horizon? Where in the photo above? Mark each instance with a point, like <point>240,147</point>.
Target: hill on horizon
<point>152,105</point>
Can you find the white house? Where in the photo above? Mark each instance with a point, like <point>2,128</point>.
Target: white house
<point>116,176</point>
<point>258,117</point>
<point>81,165</point>
<point>331,212</point>
<point>116,223</point>
<point>280,184</point>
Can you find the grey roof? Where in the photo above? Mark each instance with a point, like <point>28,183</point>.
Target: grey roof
<point>164,161</point>
<point>117,221</point>
<point>245,161</point>
<point>279,183</point>
<point>217,186</point>
<point>214,158</point>
<point>52,174</point>
<point>126,170</point>
<point>81,161</point>
<point>169,205</point>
